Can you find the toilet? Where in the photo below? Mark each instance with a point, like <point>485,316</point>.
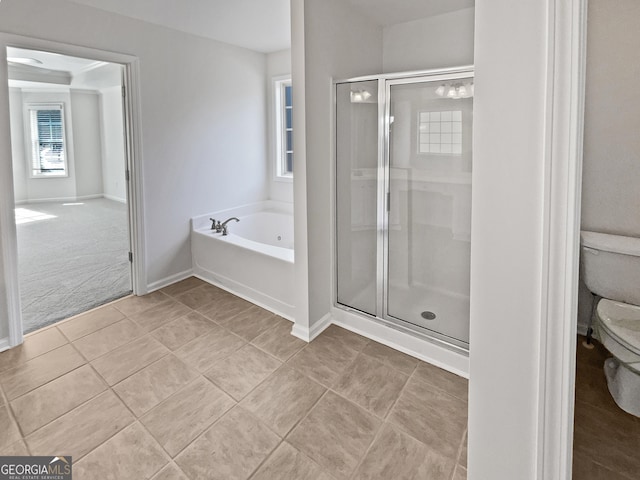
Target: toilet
<point>611,270</point>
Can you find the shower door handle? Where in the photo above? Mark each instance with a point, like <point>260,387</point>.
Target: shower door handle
<point>388,201</point>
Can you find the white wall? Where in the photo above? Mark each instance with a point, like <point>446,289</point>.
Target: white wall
<point>20,172</point>
<point>114,186</point>
<point>506,234</point>
<point>338,43</point>
<point>87,143</point>
<point>611,171</point>
<point>611,164</point>
<point>434,42</point>
<point>83,146</point>
<point>278,65</point>
<point>203,113</point>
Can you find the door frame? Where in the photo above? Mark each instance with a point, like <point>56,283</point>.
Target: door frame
<point>133,153</point>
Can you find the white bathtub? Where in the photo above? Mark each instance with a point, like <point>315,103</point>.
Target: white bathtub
<point>255,260</point>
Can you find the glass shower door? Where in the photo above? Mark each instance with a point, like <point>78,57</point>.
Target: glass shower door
<point>429,205</point>
<point>357,183</point>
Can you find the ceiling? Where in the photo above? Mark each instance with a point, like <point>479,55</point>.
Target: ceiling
<point>391,12</point>
<point>35,69</point>
<point>260,25</point>
<point>53,61</point>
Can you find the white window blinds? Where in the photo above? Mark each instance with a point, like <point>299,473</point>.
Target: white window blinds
<point>47,140</point>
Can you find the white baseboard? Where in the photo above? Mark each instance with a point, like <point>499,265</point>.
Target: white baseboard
<point>433,353</point>
<point>4,344</point>
<point>246,293</point>
<point>59,199</point>
<point>582,330</point>
<point>152,287</point>
<point>308,334</point>
<point>115,199</point>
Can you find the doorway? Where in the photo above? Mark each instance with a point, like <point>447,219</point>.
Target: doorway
<point>71,194</point>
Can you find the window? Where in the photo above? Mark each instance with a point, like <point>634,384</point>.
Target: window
<point>48,156</point>
<point>284,127</point>
<point>440,132</point>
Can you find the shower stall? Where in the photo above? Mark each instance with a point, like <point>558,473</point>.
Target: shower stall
<point>403,201</point>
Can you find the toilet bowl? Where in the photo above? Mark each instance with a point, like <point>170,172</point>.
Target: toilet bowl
<point>611,270</point>
<point>618,329</point>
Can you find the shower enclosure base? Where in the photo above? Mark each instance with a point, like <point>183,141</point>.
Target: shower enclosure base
<point>402,337</point>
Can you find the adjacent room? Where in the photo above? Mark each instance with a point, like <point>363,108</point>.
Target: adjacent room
<point>69,183</point>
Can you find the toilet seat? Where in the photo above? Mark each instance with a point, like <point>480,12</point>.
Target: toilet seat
<point>622,322</point>
<point>619,330</point>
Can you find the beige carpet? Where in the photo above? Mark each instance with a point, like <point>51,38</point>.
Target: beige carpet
<point>71,258</point>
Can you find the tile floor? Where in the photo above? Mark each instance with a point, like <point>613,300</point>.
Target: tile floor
<point>606,443</point>
<point>191,382</point>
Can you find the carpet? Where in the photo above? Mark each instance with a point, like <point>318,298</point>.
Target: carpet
<point>72,257</point>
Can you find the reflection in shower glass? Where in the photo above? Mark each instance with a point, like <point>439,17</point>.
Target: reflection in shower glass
<point>429,218</point>
<point>356,193</point>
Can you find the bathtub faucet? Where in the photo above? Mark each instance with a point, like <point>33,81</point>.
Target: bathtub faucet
<point>223,226</point>
<point>215,226</point>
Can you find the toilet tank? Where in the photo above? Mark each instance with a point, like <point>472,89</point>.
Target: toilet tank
<point>611,266</point>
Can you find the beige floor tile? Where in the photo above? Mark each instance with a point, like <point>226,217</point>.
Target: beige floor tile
<point>449,382</point>
<point>147,388</point>
<point>134,304</point>
<point>584,468</point>
<point>182,417</point>
<point>89,322</point>
<point>118,364</point>
<point>117,460</point>
<point>283,399</point>
<point>200,296</point>
<point>48,402</point>
<point>230,450</point>
<point>9,433</point>
<point>461,474</point>
<point>344,337</point>
<point>204,351</point>
<point>432,416</point>
<point>608,438</point>
<point>82,429</point>
<point>251,322</point>
<point>278,341</point>
<point>182,286</point>
<point>109,338</point>
<point>34,345</point>
<point>398,360</point>
<point>371,384</point>
<point>161,314</point>
<point>40,370</point>
<point>336,434</point>
<point>323,360</point>
<point>394,454</point>
<point>287,463</point>
<point>170,472</point>
<point>462,457</point>
<point>183,330</point>
<point>18,449</point>
<point>225,308</point>
<point>242,371</point>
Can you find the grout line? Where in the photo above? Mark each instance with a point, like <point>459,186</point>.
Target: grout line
<point>459,452</point>
<point>204,431</point>
<point>366,452</point>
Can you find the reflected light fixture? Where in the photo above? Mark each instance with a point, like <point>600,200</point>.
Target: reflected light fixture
<point>24,60</point>
<point>455,90</point>
<point>360,96</point>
